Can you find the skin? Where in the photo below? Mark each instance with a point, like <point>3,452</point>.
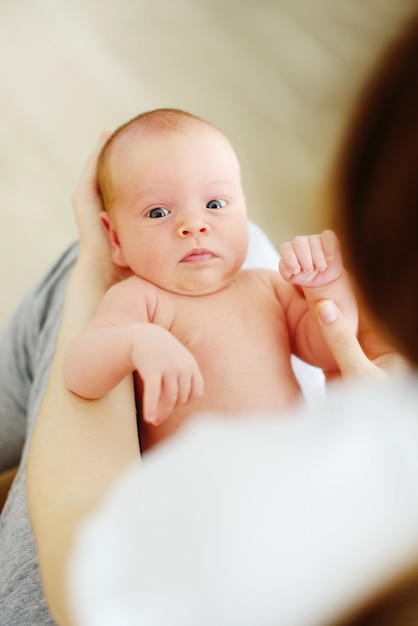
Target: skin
<point>73,438</point>
<point>179,222</point>
<point>178,172</point>
<point>368,355</point>
<point>77,447</point>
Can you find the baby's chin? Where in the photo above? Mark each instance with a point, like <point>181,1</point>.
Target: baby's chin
<point>200,288</point>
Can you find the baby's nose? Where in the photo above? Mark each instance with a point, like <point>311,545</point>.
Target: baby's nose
<point>191,222</point>
<point>191,230</point>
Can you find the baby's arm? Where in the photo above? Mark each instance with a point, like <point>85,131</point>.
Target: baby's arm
<point>120,340</point>
<point>314,264</point>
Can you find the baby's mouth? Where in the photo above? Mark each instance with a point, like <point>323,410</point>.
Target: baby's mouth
<point>198,255</point>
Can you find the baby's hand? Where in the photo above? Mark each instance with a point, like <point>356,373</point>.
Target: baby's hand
<point>169,373</point>
<point>311,261</point>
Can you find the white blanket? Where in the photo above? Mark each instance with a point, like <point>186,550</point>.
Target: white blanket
<point>266,522</point>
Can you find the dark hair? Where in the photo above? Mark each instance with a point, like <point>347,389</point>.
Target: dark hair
<point>376,204</point>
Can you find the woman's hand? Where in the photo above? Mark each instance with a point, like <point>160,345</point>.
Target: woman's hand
<point>87,205</point>
<point>367,356</point>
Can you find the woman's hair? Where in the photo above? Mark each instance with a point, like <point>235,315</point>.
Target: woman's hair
<point>376,203</point>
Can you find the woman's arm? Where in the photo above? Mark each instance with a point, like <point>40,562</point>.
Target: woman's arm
<point>78,446</point>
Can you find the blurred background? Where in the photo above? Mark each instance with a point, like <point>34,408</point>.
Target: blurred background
<point>277,76</point>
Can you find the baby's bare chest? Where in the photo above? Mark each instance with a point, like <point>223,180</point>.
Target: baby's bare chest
<point>243,322</point>
<point>240,340</point>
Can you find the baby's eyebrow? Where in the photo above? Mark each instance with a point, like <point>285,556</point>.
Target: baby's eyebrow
<point>221,182</point>
<point>155,187</point>
<point>155,191</point>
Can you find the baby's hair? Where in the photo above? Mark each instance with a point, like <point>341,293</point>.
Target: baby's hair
<point>149,122</point>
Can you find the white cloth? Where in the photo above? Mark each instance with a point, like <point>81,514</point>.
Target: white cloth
<point>258,521</point>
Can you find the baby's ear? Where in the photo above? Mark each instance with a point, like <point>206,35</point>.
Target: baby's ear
<point>115,248</point>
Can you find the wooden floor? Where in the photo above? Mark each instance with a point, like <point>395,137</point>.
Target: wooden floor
<point>278,76</point>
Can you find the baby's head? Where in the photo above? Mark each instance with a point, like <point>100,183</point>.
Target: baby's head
<point>158,122</point>
<point>171,183</point>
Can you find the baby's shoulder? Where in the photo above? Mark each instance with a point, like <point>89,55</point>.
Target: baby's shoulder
<point>132,284</point>
<point>260,275</point>
<point>130,291</point>
<point>132,297</point>
<point>267,280</point>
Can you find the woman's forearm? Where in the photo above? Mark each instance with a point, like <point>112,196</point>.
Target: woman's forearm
<point>99,359</point>
<point>78,448</point>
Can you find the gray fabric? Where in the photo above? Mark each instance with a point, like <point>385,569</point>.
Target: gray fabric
<point>27,344</point>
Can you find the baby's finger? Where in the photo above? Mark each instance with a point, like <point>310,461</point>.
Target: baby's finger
<point>151,393</point>
<point>190,385</point>
<point>289,263</point>
<point>330,244</point>
<point>198,386</point>
<point>169,396</point>
<point>317,252</point>
<point>184,386</point>
<point>303,252</point>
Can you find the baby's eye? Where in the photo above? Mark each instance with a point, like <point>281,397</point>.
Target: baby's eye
<point>216,204</point>
<point>159,211</point>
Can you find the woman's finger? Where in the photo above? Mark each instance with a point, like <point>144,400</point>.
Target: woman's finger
<point>87,205</point>
<point>87,201</point>
<point>87,182</point>
<point>343,343</point>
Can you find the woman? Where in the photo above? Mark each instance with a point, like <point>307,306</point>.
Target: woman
<point>84,446</point>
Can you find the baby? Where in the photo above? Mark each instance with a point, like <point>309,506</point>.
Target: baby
<point>198,331</point>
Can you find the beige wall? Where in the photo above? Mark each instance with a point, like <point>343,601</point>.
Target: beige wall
<point>277,76</point>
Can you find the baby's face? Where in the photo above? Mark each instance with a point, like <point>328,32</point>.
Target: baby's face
<point>179,216</point>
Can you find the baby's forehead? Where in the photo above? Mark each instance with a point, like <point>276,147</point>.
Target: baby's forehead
<point>138,131</point>
<point>134,134</point>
